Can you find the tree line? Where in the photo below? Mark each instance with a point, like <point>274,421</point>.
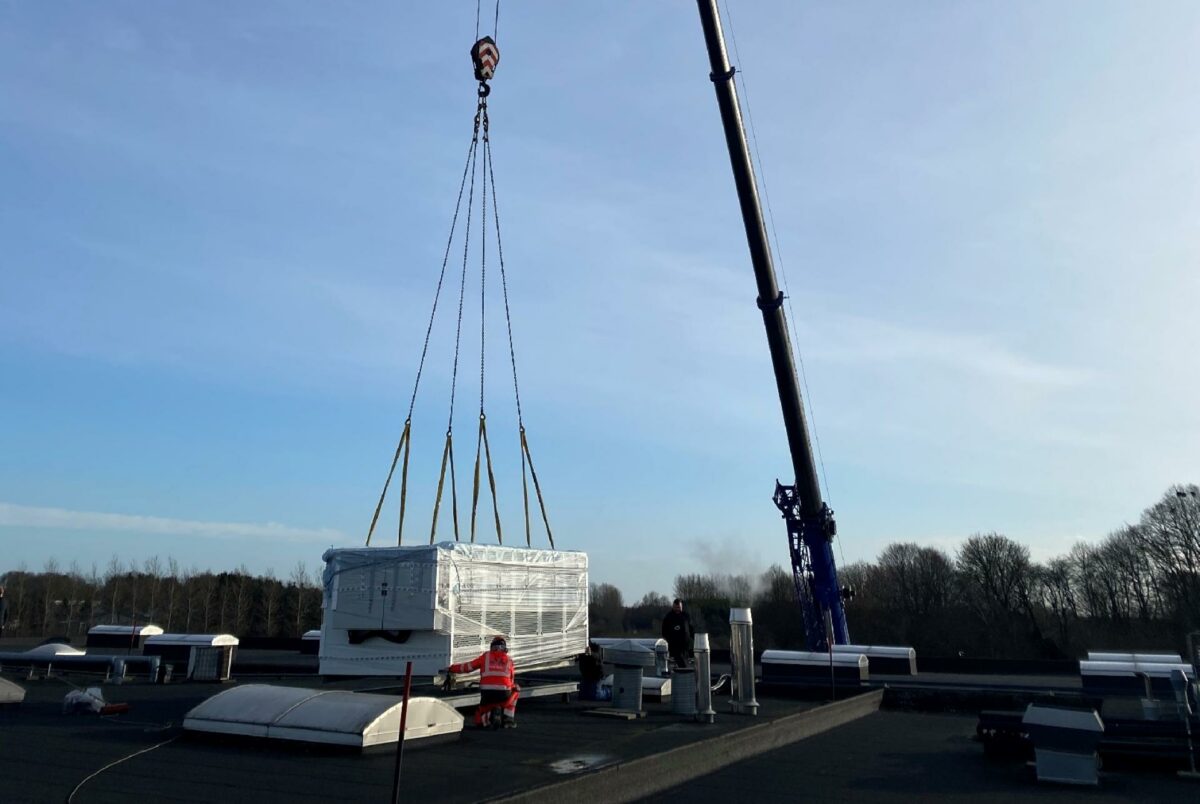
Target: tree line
<point>60,601</point>
<point>1137,588</point>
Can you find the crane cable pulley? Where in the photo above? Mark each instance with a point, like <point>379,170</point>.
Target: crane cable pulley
<point>485,57</point>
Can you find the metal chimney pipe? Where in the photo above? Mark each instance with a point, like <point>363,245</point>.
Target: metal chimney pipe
<point>703,678</point>
<point>741,657</point>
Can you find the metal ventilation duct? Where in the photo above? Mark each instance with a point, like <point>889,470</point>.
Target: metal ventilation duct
<point>741,660</point>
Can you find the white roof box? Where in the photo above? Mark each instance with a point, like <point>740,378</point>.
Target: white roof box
<point>1151,669</point>
<point>331,717</point>
<point>1143,658</point>
<point>808,658</point>
<point>147,630</point>
<point>195,640</point>
<point>54,649</point>
<point>871,651</point>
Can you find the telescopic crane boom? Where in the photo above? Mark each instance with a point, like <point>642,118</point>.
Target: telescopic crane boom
<point>809,519</point>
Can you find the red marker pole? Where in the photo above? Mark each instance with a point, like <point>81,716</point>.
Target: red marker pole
<point>400,737</point>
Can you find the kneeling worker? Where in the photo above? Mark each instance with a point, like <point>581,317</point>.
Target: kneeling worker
<point>496,687</point>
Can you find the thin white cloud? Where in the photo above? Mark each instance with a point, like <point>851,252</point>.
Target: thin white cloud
<point>868,340</point>
<point>12,515</point>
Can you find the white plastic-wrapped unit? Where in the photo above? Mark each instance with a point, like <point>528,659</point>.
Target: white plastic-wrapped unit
<point>438,604</point>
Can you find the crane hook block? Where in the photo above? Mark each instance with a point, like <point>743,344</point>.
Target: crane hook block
<point>485,56</point>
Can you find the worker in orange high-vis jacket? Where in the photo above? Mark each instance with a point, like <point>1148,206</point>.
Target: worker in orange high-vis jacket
<point>497,690</point>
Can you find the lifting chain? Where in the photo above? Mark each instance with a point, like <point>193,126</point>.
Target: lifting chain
<point>485,56</point>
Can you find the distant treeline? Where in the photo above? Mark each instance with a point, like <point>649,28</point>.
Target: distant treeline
<point>1138,588</point>
<point>67,601</point>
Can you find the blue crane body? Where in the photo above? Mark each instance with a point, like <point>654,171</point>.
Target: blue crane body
<point>810,523</point>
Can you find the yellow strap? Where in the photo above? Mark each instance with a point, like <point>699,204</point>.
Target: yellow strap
<point>482,450</point>
<point>454,495</point>
<point>537,487</point>
<point>403,487</point>
<point>475,486</point>
<point>437,502</point>
<point>492,482</point>
<point>525,490</point>
<point>386,483</point>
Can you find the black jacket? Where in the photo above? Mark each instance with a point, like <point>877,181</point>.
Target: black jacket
<point>677,629</point>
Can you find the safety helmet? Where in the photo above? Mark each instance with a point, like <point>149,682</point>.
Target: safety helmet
<point>500,643</point>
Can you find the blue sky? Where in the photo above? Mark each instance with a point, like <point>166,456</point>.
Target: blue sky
<point>222,225</point>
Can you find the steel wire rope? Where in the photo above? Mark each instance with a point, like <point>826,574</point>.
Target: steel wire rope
<point>760,176</point>
<point>495,21</point>
<point>480,111</point>
<point>462,287</point>
<point>526,457</point>
<point>428,331</point>
<point>483,448</point>
<point>483,195</point>
<point>512,352</point>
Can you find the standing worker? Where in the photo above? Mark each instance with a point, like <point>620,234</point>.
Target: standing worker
<point>591,673</point>
<point>497,690</point>
<point>677,630</point>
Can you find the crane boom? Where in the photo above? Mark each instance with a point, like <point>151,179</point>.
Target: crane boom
<point>810,522</point>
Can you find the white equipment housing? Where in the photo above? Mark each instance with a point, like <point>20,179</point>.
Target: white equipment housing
<point>209,657</point>
<point>885,659</point>
<point>332,717</point>
<point>120,636</point>
<point>435,605</point>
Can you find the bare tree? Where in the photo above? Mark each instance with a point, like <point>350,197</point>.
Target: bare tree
<point>995,572</point>
<point>270,599</point>
<point>74,604</point>
<point>299,579</point>
<point>242,601</point>
<point>187,581</point>
<point>1054,584</point>
<point>20,614</point>
<point>697,587</point>
<point>172,591</point>
<point>914,581</point>
<point>95,598</point>
<point>134,583</point>
<point>112,575</point>
<point>153,568</point>
<point>49,585</point>
<point>1169,533</point>
<point>207,587</point>
<point>606,609</point>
